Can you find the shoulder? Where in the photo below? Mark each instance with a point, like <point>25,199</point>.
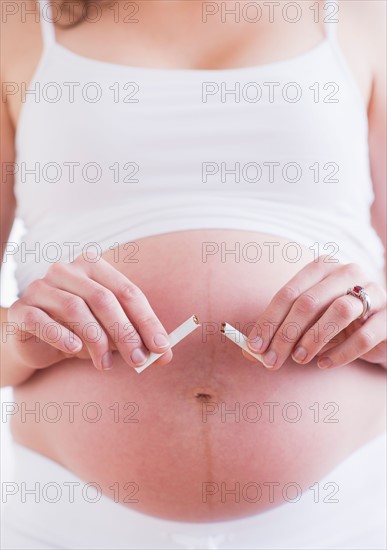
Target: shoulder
<point>20,32</point>
<point>21,48</point>
<point>366,20</point>
<point>361,33</point>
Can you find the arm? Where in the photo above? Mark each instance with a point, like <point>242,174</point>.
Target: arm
<point>377,120</point>
<point>12,371</point>
<point>304,299</point>
<point>20,354</point>
<point>35,328</point>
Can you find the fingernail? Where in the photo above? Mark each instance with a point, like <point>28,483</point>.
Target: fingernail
<point>269,359</point>
<point>107,361</point>
<point>324,363</point>
<point>299,354</point>
<point>138,357</point>
<point>73,345</point>
<point>161,341</point>
<point>256,344</point>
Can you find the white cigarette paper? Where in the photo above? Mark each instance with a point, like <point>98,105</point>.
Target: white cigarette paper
<point>239,339</point>
<point>175,337</point>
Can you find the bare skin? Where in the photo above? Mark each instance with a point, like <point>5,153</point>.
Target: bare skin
<point>172,452</point>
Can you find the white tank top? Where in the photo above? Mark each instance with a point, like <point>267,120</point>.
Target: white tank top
<point>109,153</point>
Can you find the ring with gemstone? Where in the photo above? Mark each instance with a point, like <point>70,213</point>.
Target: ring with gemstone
<point>359,292</point>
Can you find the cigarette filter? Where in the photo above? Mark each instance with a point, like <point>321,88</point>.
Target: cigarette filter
<point>175,337</point>
<point>239,339</point>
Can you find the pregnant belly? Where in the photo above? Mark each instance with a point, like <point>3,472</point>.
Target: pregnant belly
<point>211,435</point>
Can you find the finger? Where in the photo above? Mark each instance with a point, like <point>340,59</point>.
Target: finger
<point>108,311</point>
<point>268,322</point>
<point>134,303</point>
<point>303,314</point>
<point>362,341</point>
<point>340,314</point>
<point>104,305</point>
<point>73,312</point>
<point>34,321</point>
<point>377,355</point>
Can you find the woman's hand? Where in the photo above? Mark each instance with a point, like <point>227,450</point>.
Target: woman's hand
<point>85,309</point>
<point>313,316</point>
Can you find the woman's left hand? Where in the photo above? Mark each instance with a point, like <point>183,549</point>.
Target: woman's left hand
<point>312,316</point>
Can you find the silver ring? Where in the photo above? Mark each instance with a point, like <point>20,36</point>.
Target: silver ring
<point>359,292</point>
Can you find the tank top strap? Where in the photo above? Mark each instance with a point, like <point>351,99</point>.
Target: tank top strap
<point>47,23</point>
<point>330,17</point>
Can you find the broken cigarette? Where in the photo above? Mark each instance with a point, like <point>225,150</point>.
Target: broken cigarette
<point>175,337</point>
<point>239,339</point>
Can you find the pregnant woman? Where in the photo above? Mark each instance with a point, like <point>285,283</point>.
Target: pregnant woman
<point>180,158</point>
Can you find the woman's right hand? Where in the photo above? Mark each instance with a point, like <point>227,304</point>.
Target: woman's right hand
<point>85,309</point>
